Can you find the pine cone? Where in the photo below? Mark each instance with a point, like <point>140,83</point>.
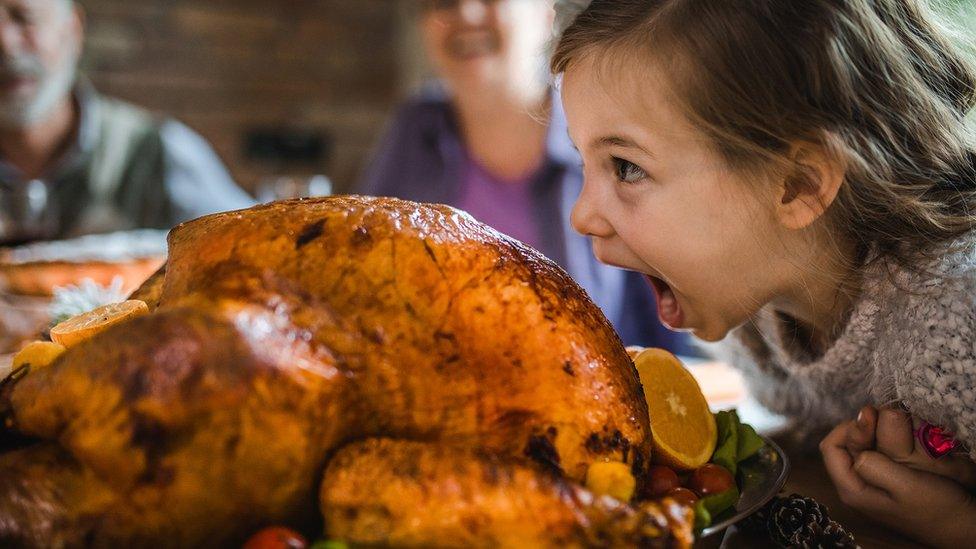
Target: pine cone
<point>831,536</point>
<point>789,515</point>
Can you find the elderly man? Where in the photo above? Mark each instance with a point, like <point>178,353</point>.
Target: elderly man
<point>73,162</point>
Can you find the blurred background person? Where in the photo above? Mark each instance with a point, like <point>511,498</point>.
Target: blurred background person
<point>490,138</point>
<point>74,162</point>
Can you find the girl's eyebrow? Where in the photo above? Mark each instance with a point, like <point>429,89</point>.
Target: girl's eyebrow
<point>616,141</point>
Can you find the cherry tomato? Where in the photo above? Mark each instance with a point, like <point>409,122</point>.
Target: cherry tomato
<point>683,496</point>
<point>661,481</point>
<point>276,537</point>
<point>710,479</point>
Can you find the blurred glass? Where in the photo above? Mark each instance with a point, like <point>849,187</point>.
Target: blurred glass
<point>286,187</point>
<point>28,213</point>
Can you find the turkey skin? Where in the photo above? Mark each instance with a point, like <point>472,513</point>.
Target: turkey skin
<point>368,369</point>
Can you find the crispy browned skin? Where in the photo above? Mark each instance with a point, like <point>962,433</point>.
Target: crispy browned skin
<point>421,494</point>
<point>286,332</point>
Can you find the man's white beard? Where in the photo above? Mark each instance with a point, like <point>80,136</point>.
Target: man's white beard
<point>19,113</point>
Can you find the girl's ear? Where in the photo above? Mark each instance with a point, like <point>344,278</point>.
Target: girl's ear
<point>805,194</point>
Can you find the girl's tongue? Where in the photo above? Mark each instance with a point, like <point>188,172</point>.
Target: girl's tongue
<point>668,308</point>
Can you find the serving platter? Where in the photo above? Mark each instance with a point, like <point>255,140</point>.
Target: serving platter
<point>761,478</point>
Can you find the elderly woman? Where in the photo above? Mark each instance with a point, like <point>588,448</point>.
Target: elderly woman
<point>491,139</point>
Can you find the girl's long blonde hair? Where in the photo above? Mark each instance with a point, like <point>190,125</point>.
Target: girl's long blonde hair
<point>878,83</point>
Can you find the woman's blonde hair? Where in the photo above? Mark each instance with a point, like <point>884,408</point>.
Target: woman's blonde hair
<point>878,83</point>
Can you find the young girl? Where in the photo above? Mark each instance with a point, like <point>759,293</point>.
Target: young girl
<point>799,176</point>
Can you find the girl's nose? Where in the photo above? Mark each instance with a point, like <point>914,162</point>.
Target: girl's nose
<point>586,217</point>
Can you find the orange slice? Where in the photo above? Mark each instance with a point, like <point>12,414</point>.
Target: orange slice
<point>79,328</point>
<point>682,426</point>
<point>38,354</point>
<point>634,350</point>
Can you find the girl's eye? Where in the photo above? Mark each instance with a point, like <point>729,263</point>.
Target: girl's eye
<point>626,171</point>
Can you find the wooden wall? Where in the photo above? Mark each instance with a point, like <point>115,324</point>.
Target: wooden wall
<point>226,66</point>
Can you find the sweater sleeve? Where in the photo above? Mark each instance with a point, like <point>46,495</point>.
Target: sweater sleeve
<point>938,381</point>
<point>197,182</point>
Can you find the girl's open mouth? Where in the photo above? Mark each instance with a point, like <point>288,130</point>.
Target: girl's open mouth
<point>668,308</point>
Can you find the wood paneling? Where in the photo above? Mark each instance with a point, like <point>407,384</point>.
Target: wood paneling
<point>226,66</point>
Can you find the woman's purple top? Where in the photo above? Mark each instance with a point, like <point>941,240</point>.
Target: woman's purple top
<point>504,205</point>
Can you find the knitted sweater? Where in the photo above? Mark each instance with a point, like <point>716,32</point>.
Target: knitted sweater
<point>910,339</point>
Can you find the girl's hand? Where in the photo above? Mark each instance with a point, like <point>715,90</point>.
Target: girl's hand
<point>926,505</point>
<point>861,435</point>
<point>891,432</point>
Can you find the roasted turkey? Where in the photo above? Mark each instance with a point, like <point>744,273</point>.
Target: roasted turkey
<point>367,369</point>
